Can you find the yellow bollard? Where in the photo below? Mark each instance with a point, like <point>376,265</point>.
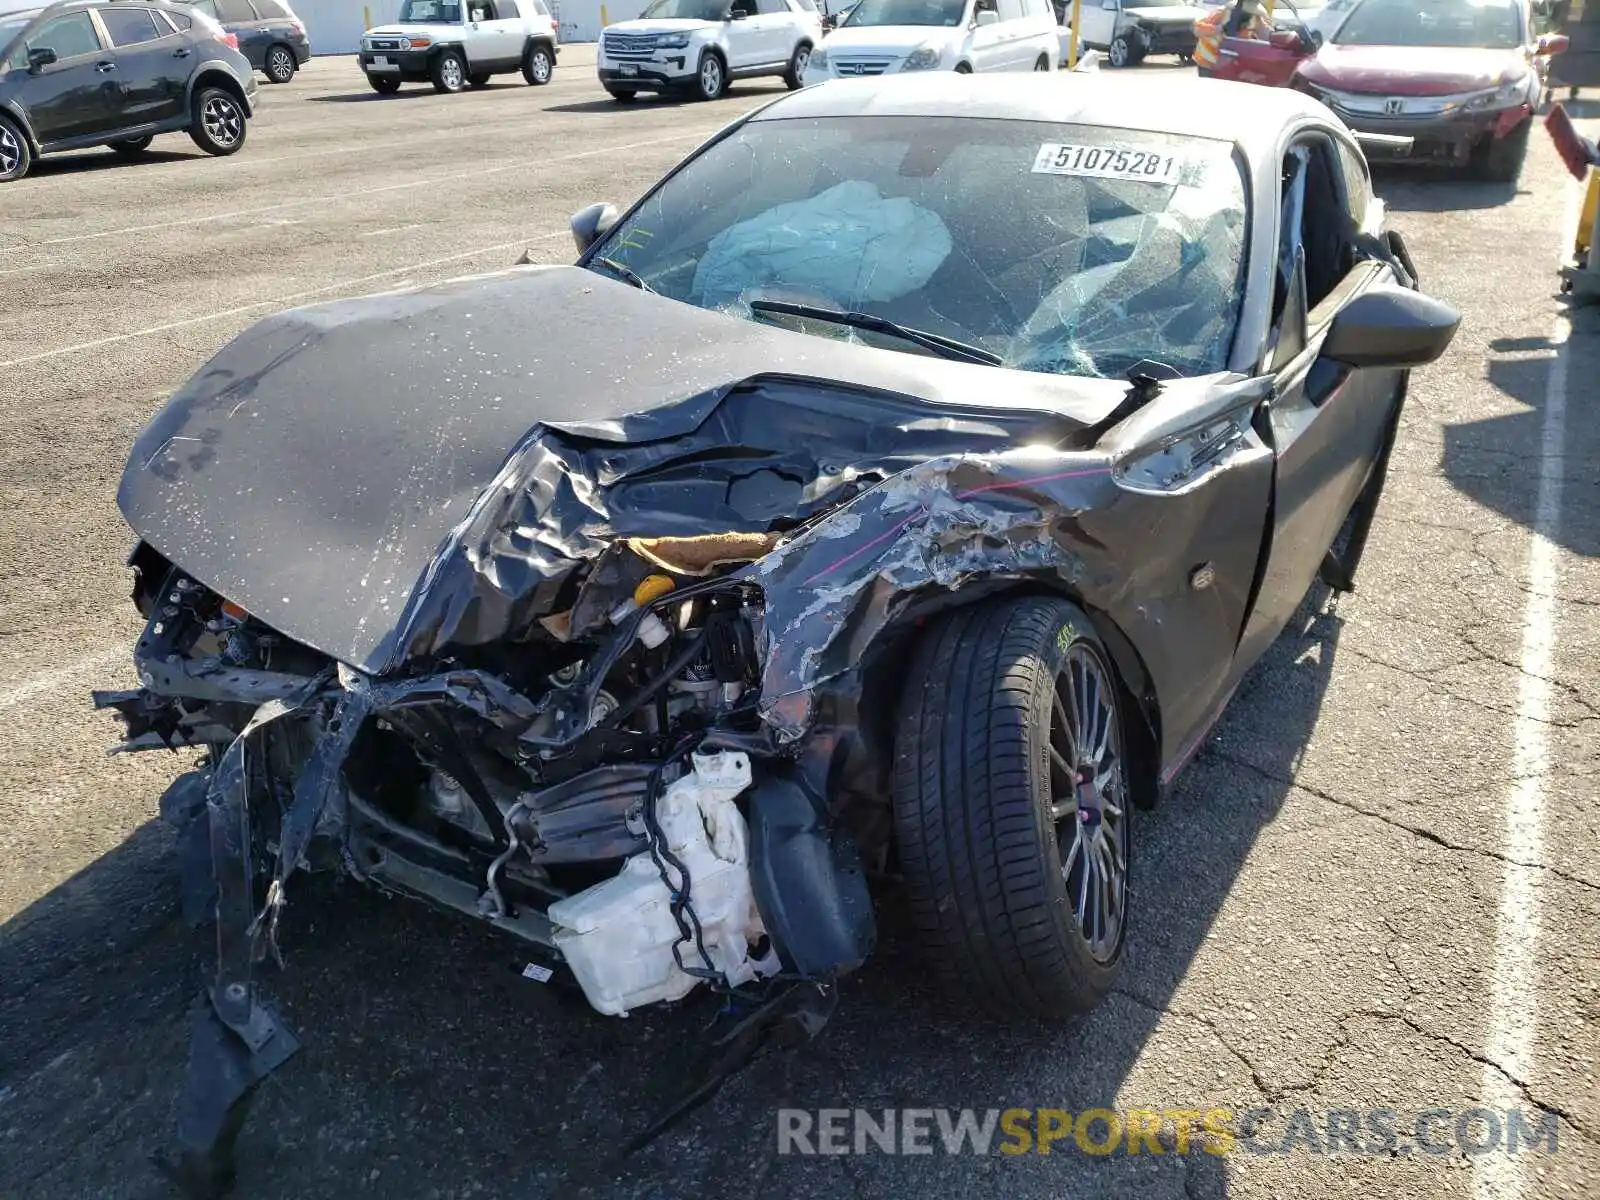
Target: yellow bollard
<point>366,17</point>
<point>603,21</point>
<point>1591,210</point>
<point>1072,42</point>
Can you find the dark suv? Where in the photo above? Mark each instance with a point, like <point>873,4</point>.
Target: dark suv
<point>113,73</point>
<point>270,35</point>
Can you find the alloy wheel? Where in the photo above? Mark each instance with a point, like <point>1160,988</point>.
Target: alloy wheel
<point>280,65</point>
<point>711,77</point>
<point>1089,797</point>
<point>1119,52</point>
<point>802,59</point>
<point>539,62</point>
<point>450,73</point>
<point>10,151</point>
<point>222,120</point>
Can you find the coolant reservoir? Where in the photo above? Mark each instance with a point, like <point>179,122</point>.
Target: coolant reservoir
<point>618,935</point>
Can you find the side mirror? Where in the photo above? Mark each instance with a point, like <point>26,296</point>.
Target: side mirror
<point>40,56</point>
<point>1553,43</point>
<point>735,14</point>
<point>1291,40</point>
<point>986,16</point>
<point>590,224</point>
<point>1107,5</point>
<point>1391,326</point>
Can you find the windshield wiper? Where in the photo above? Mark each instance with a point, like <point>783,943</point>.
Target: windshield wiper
<point>942,346</point>
<point>626,274</point>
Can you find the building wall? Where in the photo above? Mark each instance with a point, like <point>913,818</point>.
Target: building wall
<point>335,26</point>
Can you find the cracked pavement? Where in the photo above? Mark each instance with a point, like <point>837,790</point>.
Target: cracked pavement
<point>1315,905</point>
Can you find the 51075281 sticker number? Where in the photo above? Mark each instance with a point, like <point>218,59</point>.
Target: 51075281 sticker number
<point>1107,162</point>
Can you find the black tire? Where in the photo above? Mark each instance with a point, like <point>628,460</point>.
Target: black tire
<point>132,147</point>
<point>1042,63</point>
<point>478,81</point>
<point>1125,51</point>
<point>963,68</point>
<point>538,65</point>
<point>1186,59</point>
<point>217,122</point>
<point>278,64</point>
<point>711,76</point>
<point>623,95</point>
<point>795,75</point>
<point>16,156</point>
<point>383,85</point>
<point>449,73</point>
<point>1500,161</point>
<point>974,785</point>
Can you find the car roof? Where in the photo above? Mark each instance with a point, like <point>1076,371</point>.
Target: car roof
<point>1250,116</point>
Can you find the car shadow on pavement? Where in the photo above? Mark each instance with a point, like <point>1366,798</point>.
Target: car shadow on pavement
<point>431,1068</point>
<point>105,160</point>
<point>1497,460</point>
<point>417,92</point>
<point>1406,188</point>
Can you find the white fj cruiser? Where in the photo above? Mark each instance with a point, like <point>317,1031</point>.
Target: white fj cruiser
<point>454,44</point>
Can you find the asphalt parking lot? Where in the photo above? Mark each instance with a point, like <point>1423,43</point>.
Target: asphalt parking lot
<point>1378,886</point>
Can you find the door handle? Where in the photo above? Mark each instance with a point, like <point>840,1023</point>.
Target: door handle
<point>105,68</point>
<point>181,52</point>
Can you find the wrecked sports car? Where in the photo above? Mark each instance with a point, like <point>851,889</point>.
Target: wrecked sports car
<point>900,488</point>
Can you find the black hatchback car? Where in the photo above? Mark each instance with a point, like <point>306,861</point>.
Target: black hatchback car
<point>94,73</point>
<point>269,33</point>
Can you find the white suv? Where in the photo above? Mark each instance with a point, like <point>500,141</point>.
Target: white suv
<point>883,37</point>
<point>699,45</point>
<point>454,44</point>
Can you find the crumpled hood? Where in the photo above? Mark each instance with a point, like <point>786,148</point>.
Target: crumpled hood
<point>1411,70</point>
<point>312,470</point>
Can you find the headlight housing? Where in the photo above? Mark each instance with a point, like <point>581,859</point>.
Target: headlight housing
<point>415,43</point>
<point>819,58</point>
<point>671,41</point>
<point>923,58</point>
<point>1507,95</point>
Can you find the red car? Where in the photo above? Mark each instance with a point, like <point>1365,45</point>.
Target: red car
<point>1458,78</point>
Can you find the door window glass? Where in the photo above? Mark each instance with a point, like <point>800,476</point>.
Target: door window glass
<point>1010,10</point>
<point>68,36</point>
<point>129,26</point>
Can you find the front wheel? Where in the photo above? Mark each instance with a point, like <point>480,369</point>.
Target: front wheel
<point>132,147</point>
<point>1124,51</point>
<point>1042,63</point>
<point>478,81</point>
<point>384,85</point>
<point>623,95</point>
<point>1500,160</point>
<point>16,156</point>
<point>449,73</point>
<point>1011,806</point>
<point>538,66</point>
<point>712,78</point>
<point>216,122</point>
<point>795,75</point>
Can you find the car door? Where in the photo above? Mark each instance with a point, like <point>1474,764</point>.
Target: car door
<point>152,66</point>
<point>78,94</point>
<point>987,40</point>
<point>1328,421</point>
<point>1270,62</point>
<point>239,19</point>
<point>777,30</point>
<point>1013,33</point>
<point>743,34</point>
<point>1097,21</point>
<point>505,30</point>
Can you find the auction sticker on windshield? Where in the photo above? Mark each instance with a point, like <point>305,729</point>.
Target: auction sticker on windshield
<point>1107,162</point>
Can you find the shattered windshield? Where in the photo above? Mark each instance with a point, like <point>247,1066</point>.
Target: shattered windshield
<point>1489,24</point>
<point>946,13</point>
<point>1066,249</point>
<point>418,12</point>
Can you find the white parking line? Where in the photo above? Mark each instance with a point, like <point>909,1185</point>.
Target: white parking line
<point>348,193</point>
<point>1514,972</point>
<point>278,302</point>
